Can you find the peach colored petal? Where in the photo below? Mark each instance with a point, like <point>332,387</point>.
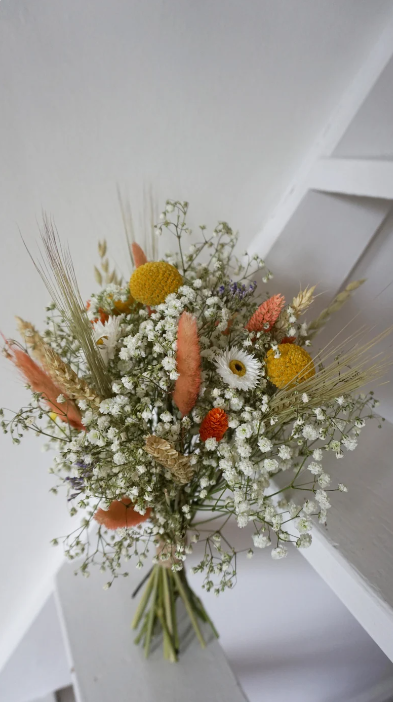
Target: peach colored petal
<point>120,514</point>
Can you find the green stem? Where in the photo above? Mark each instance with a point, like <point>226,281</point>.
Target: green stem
<point>152,611</point>
<point>143,603</point>
<point>188,606</point>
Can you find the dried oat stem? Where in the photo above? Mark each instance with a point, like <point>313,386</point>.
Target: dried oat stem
<point>340,299</point>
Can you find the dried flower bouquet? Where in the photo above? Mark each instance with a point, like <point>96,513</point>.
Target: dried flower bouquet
<point>175,399</point>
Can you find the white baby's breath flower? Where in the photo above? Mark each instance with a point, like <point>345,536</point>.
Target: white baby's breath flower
<point>309,432</point>
<point>261,540</point>
<point>279,552</point>
<point>315,468</point>
<point>285,452</point>
<point>350,443</point>
<point>211,444</point>
<point>304,541</point>
<point>264,444</point>
<point>324,480</point>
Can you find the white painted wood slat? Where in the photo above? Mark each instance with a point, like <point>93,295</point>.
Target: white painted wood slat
<point>360,177</point>
<point>108,666</point>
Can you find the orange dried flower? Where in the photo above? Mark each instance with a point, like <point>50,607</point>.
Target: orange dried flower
<point>103,315</point>
<point>266,315</point>
<point>121,513</point>
<point>214,424</point>
<point>288,340</point>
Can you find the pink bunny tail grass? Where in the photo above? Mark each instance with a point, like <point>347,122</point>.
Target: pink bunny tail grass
<point>42,383</point>
<point>188,361</point>
<point>266,315</point>
<point>138,255</point>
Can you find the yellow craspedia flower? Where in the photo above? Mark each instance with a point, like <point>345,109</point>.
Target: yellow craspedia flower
<point>293,366</point>
<point>153,281</point>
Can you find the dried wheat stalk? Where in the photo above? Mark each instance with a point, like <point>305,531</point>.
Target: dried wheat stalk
<point>164,453</point>
<point>68,381</point>
<point>349,370</point>
<point>75,387</point>
<point>32,338</point>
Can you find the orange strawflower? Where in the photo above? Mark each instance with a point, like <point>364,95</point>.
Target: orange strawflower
<point>266,315</point>
<point>214,425</point>
<point>121,513</point>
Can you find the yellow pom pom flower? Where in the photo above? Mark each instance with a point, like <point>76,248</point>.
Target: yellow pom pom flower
<point>292,367</point>
<point>152,282</point>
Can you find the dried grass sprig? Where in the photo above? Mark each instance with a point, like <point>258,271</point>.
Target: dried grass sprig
<point>165,454</point>
<point>58,274</point>
<point>107,276</point>
<point>32,339</point>
<point>146,224</point>
<point>302,301</point>
<point>340,299</point>
<point>348,371</point>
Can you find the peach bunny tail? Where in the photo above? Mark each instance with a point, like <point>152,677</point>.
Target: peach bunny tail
<point>188,360</point>
<point>138,255</point>
<point>42,383</point>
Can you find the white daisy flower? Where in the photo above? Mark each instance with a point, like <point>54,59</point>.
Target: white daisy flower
<point>106,336</point>
<point>238,369</point>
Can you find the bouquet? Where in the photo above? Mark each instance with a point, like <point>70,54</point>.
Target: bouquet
<point>179,399</point>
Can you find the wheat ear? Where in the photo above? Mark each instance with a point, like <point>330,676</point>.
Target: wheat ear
<point>75,387</point>
<point>165,454</point>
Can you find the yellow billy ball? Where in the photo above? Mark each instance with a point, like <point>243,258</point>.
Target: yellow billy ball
<point>152,282</point>
<point>292,367</point>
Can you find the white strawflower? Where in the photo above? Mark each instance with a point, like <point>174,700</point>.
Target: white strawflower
<point>106,336</point>
<point>238,369</point>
